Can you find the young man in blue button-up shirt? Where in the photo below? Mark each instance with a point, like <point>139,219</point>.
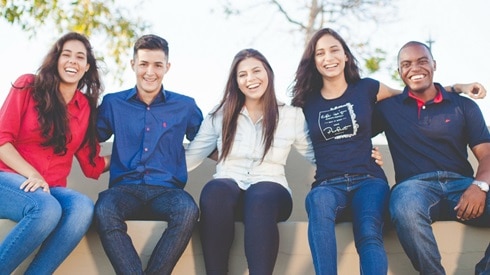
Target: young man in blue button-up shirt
<point>148,168</point>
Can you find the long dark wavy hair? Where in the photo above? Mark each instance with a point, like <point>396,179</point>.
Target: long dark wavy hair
<point>233,101</point>
<point>51,107</point>
<point>308,80</point>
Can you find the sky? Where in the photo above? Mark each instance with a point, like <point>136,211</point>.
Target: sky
<point>203,42</point>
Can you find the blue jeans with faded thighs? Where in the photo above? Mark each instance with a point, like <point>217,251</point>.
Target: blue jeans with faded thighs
<point>367,198</point>
<point>423,199</point>
<point>55,222</point>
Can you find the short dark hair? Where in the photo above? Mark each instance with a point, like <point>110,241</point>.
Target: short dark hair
<point>414,43</point>
<point>151,42</point>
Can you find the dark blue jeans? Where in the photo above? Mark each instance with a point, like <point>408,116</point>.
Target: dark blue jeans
<point>140,201</point>
<point>261,207</point>
<point>421,200</point>
<point>367,198</point>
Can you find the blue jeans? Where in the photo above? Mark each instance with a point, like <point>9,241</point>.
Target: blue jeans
<point>367,198</point>
<point>140,201</point>
<point>421,200</point>
<point>260,207</point>
<point>56,222</point>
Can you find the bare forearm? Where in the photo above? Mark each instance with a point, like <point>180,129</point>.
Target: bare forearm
<point>11,157</point>
<point>107,162</point>
<point>483,171</point>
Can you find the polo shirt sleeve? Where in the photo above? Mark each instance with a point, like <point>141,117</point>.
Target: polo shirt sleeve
<point>83,157</point>
<point>13,109</point>
<point>476,127</point>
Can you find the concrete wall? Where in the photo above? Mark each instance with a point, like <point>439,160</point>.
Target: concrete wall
<point>461,246</point>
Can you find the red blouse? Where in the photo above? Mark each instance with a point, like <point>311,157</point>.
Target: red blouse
<point>19,126</point>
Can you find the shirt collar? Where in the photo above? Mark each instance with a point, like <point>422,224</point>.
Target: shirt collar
<point>161,97</point>
<point>441,95</point>
<point>77,99</point>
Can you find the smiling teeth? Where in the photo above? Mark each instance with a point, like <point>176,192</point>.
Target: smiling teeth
<point>417,77</point>
<point>253,86</point>
<point>71,70</point>
<point>330,66</point>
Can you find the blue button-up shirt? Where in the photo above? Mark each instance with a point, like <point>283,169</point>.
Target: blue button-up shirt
<point>148,139</point>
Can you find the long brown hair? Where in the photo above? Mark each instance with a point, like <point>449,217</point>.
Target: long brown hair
<point>308,80</point>
<point>233,100</point>
<point>51,108</point>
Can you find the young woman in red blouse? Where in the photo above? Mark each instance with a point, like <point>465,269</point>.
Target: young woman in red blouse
<point>45,121</point>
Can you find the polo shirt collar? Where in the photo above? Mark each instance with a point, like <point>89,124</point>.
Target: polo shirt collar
<point>441,95</point>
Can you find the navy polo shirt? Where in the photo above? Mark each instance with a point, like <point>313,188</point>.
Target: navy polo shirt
<point>148,139</point>
<point>433,136</point>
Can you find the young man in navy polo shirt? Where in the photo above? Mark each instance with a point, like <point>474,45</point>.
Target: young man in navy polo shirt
<point>428,131</point>
<point>148,169</point>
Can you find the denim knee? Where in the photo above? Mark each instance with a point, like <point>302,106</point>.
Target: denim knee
<point>84,211</point>
<point>406,210</point>
<point>103,214</point>
<point>46,209</point>
<point>73,202</point>
<point>186,211</point>
<point>321,201</point>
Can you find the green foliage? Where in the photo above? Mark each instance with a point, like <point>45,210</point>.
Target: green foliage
<point>373,62</point>
<point>396,77</point>
<point>115,29</point>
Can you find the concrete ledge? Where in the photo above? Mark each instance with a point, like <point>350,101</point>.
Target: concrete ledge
<point>461,246</point>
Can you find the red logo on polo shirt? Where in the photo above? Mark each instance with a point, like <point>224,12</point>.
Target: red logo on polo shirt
<point>447,120</point>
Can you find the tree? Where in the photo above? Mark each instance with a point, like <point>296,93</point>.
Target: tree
<point>111,26</point>
<point>308,16</point>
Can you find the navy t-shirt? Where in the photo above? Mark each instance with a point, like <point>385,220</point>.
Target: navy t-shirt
<point>340,131</point>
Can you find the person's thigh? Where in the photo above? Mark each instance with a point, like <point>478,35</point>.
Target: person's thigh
<point>269,200</point>
<point>326,201</point>
<point>455,189</point>
<point>36,213</point>
<point>226,190</point>
<point>173,204</point>
<point>121,202</point>
<point>370,200</point>
<point>413,198</point>
<point>77,208</point>
<point>15,202</point>
<point>484,219</point>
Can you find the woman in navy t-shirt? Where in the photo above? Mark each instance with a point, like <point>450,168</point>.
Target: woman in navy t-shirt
<point>338,107</point>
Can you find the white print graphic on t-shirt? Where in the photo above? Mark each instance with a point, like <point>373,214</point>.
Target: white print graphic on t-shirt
<point>338,122</point>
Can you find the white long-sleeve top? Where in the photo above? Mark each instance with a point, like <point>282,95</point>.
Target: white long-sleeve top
<point>243,163</point>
